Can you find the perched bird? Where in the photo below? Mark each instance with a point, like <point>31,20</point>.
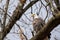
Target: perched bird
<point>38,23</point>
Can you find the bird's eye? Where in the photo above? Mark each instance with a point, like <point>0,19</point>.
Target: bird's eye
<point>34,23</point>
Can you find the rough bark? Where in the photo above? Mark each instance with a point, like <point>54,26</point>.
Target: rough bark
<point>51,24</point>
<point>4,20</point>
<point>16,16</point>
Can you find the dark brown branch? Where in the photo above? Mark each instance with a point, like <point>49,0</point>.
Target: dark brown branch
<point>52,23</point>
<point>16,16</point>
<point>5,15</point>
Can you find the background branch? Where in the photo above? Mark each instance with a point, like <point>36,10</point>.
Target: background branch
<point>16,16</point>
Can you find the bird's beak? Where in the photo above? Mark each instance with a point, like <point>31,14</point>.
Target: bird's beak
<point>32,15</point>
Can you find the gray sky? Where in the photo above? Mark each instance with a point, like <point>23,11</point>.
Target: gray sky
<point>27,30</point>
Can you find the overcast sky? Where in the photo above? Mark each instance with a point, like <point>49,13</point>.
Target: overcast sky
<point>13,3</point>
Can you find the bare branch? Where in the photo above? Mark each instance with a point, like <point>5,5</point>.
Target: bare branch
<point>52,23</point>
<point>16,16</point>
<point>5,15</point>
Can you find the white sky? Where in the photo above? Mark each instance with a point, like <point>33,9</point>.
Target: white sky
<point>55,32</point>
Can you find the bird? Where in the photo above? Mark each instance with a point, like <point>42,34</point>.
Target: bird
<point>38,23</point>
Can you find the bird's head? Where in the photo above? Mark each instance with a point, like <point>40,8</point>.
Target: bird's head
<point>34,16</point>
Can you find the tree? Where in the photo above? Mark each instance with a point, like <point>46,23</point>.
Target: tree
<point>20,10</point>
